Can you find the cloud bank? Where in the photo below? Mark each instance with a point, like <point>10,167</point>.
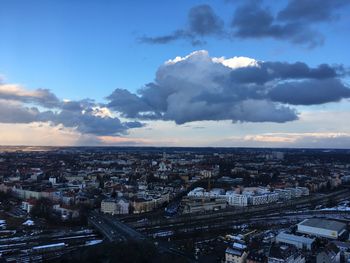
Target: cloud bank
<point>198,87</point>
<point>297,22</point>
<point>18,105</point>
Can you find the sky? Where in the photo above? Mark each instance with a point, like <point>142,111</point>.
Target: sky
<point>231,73</point>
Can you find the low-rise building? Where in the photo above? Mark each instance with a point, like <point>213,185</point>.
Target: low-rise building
<point>115,206</point>
<point>297,241</point>
<point>285,254</point>
<point>322,228</point>
<point>197,205</point>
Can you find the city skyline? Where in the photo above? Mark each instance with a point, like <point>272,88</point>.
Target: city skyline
<point>194,73</point>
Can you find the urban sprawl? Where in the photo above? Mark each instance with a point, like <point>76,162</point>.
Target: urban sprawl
<point>120,204</point>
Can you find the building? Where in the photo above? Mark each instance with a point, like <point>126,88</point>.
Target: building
<point>283,194</point>
<point>66,212</point>
<point>297,241</point>
<point>322,228</point>
<point>285,254</point>
<point>236,253</point>
<point>28,205</point>
<point>328,254</point>
<point>198,205</point>
<point>236,199</point>
<point>115,206</point>
<point>147,202</point>
<point>254,257</point>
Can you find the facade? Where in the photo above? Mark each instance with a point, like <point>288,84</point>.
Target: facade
<point>28,205</point>
<point>256,258</point>
<point>199,205</point>
<point>257,199</point>
<point>66,212</point>
<point>236,199</point>
<point>300,242</point>
<point>284,194</point>
<point>115,206</point>
<point>285,254</point>
<point>233,255</point>
<point>148,202</point>
<point>329,254</point>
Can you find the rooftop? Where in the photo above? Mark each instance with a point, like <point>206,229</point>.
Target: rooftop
<point>323,223</point>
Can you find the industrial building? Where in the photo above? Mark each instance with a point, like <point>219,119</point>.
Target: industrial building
<point>323,228</point>
<point>197,205</point>
<point>297,241</point>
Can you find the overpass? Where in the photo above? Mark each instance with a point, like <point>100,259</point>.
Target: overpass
<point>115,231</point>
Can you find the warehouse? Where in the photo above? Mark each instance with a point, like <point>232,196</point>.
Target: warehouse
<point>298,241</point>
<point>323,228</point>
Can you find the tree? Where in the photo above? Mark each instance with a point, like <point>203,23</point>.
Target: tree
<point>42,208</point>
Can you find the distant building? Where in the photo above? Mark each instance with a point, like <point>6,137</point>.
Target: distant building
<point>285,254</point>
<point>115,206</point>
<point>237,199</point>
<point>197,205</point>
<point>297,241</point>
<point>254,257</point>
<point>236,253</point>
<point>322,228</point>
<point>328,254</point>
<point>28,205</point>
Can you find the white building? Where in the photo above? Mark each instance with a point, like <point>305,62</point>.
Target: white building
<point>300,242</point>
<point>236,199</point>
<point>304,190</point>
<point>115,206</point>
<point>28,205</point>
<point>284,194</point>
<point>258,199</point>
<point>322,228</point>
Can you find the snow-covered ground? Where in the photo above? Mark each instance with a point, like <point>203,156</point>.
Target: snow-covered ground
<point>343,206</point>
<point>28,223</point>
<point>2,224</point>
<point>93,242</point>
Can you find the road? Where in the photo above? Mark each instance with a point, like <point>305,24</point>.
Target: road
<point>116,231</point>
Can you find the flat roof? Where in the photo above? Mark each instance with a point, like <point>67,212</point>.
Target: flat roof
<point>296,238</point>
<point>323,223</point>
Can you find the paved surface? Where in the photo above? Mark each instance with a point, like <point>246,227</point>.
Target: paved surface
<point>116,231</point>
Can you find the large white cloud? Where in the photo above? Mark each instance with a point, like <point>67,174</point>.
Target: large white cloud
<point>198,87</point>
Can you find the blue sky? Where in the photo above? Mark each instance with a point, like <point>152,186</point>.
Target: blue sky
<point>88,49</point>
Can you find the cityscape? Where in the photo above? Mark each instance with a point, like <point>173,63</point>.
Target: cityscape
<point>189,131</point>
<point>181,204</point>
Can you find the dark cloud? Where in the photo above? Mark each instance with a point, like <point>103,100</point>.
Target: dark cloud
<point>202,21</point>
<point>88,122</point>
<point>122,100</point>
<point>11,112</point>
<point>43,97</point>
<point>297,22</point>
<point>268,71</point>
<point>310,92</point>
<point>198,87</point>
<point>311,10</point>
<point>252,20</point>
<point>174,36</point>
<point>85,116</point>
